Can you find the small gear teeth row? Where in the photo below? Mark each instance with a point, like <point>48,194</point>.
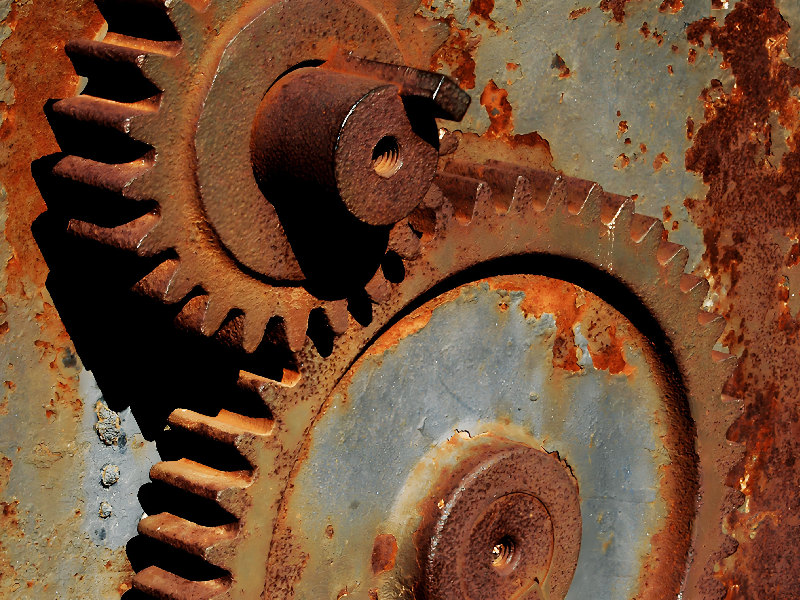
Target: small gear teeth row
<point>228,489</point>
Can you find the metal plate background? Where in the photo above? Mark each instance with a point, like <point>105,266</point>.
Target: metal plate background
<point>692,105</point>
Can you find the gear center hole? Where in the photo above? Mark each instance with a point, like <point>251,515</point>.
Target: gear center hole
<point>504,554</point>
<point>386,159</point>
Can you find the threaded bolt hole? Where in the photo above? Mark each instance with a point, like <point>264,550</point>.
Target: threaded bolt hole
<point>503,553</point>
<point>386,160</point>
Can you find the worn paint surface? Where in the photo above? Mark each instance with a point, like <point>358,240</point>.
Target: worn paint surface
<point>693,107</point>
<point>492,358</point>
<point>645,110</point>
<point>53,541</point>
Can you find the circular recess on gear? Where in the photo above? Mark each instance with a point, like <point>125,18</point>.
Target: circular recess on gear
<point>386,157</point>
<point>525,370</point>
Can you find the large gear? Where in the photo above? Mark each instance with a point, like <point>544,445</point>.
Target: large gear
<point>481,217</point>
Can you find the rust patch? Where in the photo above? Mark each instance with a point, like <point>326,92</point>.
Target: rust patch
<point>40,38</point>
<point>482,9</point>
<point>495,100</point>
<point>622,161</point>
<point>579,12</point>
<point>671,6</point>
<point>563,69</point>
<point>457,54</point>
<point>750,217</point>
<point>384,553</point>
<point>616,8</point>
<point>659,161</point>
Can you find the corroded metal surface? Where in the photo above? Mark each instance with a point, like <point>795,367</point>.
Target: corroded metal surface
<point>734,207</point>
<point>531,359</point>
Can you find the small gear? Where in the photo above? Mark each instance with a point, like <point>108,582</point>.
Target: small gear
<point>192,196</point>
<point>478,218</point>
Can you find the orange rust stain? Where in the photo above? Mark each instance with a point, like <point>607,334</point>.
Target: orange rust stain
<point>607,350</point>
<point>642,148</point>
<point>9,519</point>
<point>408,326</point>
<point>5,472</point>
<point>670,70</point>
<point>384,553</point>
<point>39,37</point>
<point>659,161</point>
<point>751,206</point>
<point>563,300</point>
<point>616,8</point>
<point>563,69</point>
<point>692,56</point>
<point>481,8</point>
<point>495,100</point>
<point>645,30</point>
<point>512,66</point>
<point>457,54</point>
<point>621,162</point>
<point>671,6</point>
<point>622,128</point>
<point>579,12</point>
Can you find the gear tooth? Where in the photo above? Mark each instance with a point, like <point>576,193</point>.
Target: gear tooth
<point>673,257</point>
<point>577,193</point>
<point>227,427</point>
<point>203,314</point>
<point>127,236</point>
<point>425,218</point>
<point>337,315</point>
<point>186,535</point>
<point>695,287</point>
<point>378,289</point>
<point>106,113</point>
<point>156,68</point>
<point>646,232</point>
<point>215,315</point>
<point>253,329</point>
<point>556,196</point>
<point>224,487</point>
<point>156,283</point>
<point>159,583</point>
<point>539,187</point>
<point>117,178</point>
<point>611,204</point>
<point>467,195</point>
<point>156,241</point>
<point>180,285</point>
<point>624,216</point>
<point>192,314</point>
<point>503,179</point>
<point>713,325</point>
<point>294,326</point>
<point>184,13</point>
<point>403,240</point>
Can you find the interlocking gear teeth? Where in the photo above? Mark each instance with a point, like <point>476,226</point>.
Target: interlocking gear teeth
<point>215,545</point>
<point>491,210</point>
<point>155,73</point>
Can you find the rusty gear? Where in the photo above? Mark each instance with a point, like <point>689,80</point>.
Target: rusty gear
<point>195,195</point>
<point>477,211</point>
